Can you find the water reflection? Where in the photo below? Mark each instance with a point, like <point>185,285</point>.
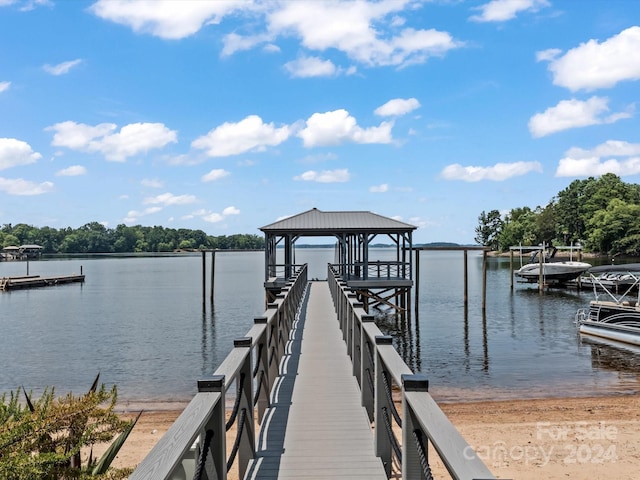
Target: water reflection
<point>142,323</point>
<point>611,355</point>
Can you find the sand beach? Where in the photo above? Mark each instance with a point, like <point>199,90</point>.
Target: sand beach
<point>552,438</point>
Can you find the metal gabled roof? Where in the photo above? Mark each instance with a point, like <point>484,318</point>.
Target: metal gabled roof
<point>317,222</point>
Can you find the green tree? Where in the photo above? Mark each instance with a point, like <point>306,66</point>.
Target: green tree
<point>488,229</point>
<point>612,225</point>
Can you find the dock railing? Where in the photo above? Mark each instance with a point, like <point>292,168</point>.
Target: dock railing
<point>379,370</point>
<point>195,446</point>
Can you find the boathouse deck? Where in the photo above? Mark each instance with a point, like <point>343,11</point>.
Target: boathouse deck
<point>312,390</point>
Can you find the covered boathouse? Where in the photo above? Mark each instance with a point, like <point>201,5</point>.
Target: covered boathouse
<point>377,282</point>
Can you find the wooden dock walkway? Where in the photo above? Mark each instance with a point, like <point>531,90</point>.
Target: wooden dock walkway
<point>316,426</point>
<point>33,281</point>
<point>297,372</point>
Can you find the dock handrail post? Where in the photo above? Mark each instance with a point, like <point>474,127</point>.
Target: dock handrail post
<point>263,369</point>
<point>382,440</point>
<point>272,341</point>
<point>411,467</point>
<point>247,449</point>
<point>367,369</point>
<point>357,349</point>
<point>347,323</point>
<point>218,447</point>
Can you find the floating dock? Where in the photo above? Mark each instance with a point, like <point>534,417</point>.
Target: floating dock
<point>34,281</point>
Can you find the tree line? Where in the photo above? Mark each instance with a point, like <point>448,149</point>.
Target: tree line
<point>602,214</point>
<point>94,237</point>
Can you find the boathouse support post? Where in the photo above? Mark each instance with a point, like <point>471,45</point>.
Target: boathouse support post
<point>382,408</point>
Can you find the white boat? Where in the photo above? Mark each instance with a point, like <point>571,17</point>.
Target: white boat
<point>553,270</point>
<point>618,316</point>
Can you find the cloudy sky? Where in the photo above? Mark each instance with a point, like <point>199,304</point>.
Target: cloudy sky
<point>228,115</point>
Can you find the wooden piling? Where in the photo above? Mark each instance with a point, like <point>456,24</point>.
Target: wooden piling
<point>511,268</point>
<point>213,274</point>
<point>466,281</point>
<point>484,280</point>
<point>204,275</point>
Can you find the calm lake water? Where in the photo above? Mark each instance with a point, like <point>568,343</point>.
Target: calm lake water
<point>141,322</point>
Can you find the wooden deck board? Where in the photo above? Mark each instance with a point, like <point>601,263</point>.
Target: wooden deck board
<point>316,427</point>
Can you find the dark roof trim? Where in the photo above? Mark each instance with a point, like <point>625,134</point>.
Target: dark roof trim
<point>317,222</point>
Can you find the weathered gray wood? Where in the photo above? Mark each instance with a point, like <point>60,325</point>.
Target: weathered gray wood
<point>456,454</point>
<point>171,448</point>
<point>316,426</point>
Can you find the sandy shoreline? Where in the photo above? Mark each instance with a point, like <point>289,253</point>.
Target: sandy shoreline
<point>552,438</point>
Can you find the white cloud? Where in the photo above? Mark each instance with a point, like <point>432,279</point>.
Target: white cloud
<point>325,176</point>
<point>572,114</point>
<point>594,65</point>
<point>250,134</point>
<point>305,67</point>
<point>167,18</point>
<point>231,210</point>
<point>379,188</point>
<point>337,127</point>
<point>498,172</point>
<point>152,183</point>
<point>369,32</point>
<point>365,31</point>
<point>19,186</point>
<point>233,43</point>
<point>72,171</point>
<point>131,140</point>
<point>170,199</point>
<point>213,217</point>
<point>397,107</point>
<point>4,86</point>
<point>579,162</point>
<point>548,55</point>
<point>61,68</point>
<point>609,148</point>
<point>15,152</point>
<point>134,215</point>
<point>215,174</point>
<point>26,5</point>
<point>502,10</point>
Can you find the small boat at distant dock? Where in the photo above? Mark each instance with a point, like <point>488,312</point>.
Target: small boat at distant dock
<point>553,270</point>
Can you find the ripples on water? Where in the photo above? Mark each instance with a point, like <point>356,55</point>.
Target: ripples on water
<point>141,322</point>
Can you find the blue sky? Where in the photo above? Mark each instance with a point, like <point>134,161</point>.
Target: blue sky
<point>228,115</point>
